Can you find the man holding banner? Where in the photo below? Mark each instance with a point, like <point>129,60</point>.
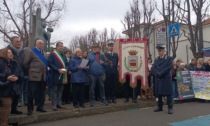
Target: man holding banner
<point>57,62</point>
<point>163,80</point>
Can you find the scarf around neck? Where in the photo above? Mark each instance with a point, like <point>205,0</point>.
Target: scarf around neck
<point>17,51</point>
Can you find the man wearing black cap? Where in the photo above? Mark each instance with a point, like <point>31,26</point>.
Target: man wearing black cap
<point>111,73</point>
<point>163,82</point>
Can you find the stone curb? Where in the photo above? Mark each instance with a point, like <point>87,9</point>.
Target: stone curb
<point>72,113</point>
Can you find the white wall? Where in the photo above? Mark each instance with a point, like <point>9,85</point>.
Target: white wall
<point>183,50</point>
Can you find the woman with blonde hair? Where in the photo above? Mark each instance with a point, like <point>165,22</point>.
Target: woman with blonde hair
<point>201,62</point>
<point>10,75</point>
<point>78,78</point>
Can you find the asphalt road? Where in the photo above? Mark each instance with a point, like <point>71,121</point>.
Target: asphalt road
<point>138,117</point>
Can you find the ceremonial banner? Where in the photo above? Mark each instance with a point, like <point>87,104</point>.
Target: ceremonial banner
<point>184,85</point>
<point>133,61</point>
<point>201,84</point>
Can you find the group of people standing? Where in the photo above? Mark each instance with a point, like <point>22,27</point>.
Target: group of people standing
<point>26,72</point>
<point>163,76</point>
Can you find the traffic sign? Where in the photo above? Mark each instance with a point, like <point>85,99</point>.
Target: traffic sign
<point>173,30</point>
<point>161,36</point>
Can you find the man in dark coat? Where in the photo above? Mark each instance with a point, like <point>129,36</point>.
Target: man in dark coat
<point>111,73</point>
<point>58,64</point>
<point>163,81</point>
<point>18,54</point>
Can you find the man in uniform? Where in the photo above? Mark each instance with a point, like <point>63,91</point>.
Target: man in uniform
<point>163,81</point>
<point>111,73</point>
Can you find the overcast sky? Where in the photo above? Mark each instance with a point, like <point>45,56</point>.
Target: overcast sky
<point>82,15</point>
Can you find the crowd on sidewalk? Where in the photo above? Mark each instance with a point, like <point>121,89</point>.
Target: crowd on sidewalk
<point>28,75</point>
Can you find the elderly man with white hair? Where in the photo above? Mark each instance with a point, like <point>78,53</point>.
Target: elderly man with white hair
<point>78,78</point>
<point>35,65</point>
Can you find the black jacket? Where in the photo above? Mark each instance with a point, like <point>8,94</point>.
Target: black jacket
<point>7,69</point>
<point>207,67</point>
<point>55,65</point>
<point>18,57</point>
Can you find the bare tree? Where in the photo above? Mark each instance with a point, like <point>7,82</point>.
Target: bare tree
<point>14,16</point>
<point>172,14</point>
<point>136,19</point>
<point>132,20</point>
<point>93,36</point>
<point>195,37</point>
<point>113,35</point>
<point>148,19</point>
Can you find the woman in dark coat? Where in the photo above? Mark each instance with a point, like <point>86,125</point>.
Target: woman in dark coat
<point>207,65</point>
<point>10,74</point>
<point>199,67</point>
<point>78,78</point>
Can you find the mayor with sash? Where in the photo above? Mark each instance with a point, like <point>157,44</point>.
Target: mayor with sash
<point>58,63</point>
<point>161,69</point>
<point>35,65</point>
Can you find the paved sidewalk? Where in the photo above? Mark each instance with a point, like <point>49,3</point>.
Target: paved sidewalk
<point>70,111</point>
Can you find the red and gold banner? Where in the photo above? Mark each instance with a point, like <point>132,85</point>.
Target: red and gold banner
<point>133,61</point>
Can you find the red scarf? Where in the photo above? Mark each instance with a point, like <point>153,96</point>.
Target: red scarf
<point>96,56</point>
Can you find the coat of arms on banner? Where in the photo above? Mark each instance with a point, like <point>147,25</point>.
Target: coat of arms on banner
<point>133,59</point>
<point>133,63</point>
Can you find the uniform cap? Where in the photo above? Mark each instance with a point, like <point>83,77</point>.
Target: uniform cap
<point>159,47</point>
<point>111,44</point>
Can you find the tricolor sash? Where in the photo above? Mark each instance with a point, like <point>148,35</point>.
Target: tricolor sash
<point>61,60</point>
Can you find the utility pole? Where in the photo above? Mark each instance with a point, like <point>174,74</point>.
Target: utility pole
<point>30,26</point>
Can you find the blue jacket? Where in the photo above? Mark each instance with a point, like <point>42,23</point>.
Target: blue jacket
<point>78,75</point>
<point>55,65</point>
<point>95,68</point>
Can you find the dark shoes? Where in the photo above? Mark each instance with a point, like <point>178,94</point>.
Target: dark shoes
<point>29,113</point>
<point>83,106</point>
<point>41,110</point>
<point>55,108</point>
<point>76,106</point>
<point>170,111</point>
<point>91,105</point>
<point>135,101</point>
<point>104,103</point>
<point>114,101</point>
<point>158,109</point>
<point>16,112</point>
<point>126,100</point>
<point>60,107</point>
